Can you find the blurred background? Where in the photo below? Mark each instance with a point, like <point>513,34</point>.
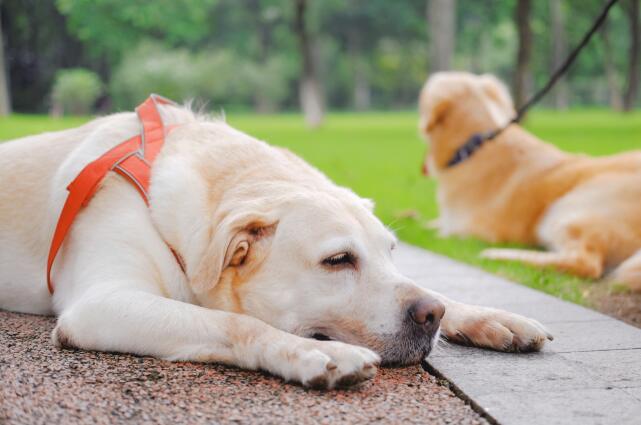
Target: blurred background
<point>85,56</point>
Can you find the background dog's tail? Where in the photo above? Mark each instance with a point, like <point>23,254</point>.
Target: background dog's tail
<point>584,264</point>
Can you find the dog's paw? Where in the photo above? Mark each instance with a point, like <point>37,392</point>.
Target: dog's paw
<point>332,364</point>
<point>500,330</point>
<point>61,338</point>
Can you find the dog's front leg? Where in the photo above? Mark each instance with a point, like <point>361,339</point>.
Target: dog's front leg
<point>490,328</point>
<point>142,323</point>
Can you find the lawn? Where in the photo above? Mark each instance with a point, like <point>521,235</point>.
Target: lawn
<point>379,155</point>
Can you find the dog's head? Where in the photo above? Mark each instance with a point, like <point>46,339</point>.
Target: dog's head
<point>280,242</point>
<point>453,106</point>
<point>318,265</point>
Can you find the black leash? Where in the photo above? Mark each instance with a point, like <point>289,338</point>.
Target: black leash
<point>477,140</point>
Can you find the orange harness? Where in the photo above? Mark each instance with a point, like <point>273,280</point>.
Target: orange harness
<point>132,159</point>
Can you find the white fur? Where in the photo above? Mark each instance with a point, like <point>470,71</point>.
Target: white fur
<point>119,288</point>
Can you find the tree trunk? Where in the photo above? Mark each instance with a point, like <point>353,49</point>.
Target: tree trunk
<point>635,47</point>
<point>262,102</point>
<point>522,76</point>
<point>5,95</point>
<point>614,92</point>
<point>559,51</point>
<point>362,89</point>
<point>441,27</point>
<point>310,88</point>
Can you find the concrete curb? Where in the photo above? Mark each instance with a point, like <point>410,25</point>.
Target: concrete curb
<point>590,373</point>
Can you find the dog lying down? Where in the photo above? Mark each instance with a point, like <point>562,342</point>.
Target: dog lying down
<point>283,270</point>
<point>585,211</point>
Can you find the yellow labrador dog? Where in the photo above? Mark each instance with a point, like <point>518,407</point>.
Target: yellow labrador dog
<point>283,270</point>
<point>516,188</point>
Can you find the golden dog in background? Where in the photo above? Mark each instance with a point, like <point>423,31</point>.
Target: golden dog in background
<point>516,188</point>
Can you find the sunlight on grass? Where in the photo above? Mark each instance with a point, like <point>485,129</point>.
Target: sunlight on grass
<point>379,156</point>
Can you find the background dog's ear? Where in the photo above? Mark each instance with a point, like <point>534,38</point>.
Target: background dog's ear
<point>230,245</point>
<point>434,115</point>
<point>496,90</point>
<point>433,102</point>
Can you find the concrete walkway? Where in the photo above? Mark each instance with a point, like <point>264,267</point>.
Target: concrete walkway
<point>590,373</point>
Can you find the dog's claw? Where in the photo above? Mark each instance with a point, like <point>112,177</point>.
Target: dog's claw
<point>333,364</point>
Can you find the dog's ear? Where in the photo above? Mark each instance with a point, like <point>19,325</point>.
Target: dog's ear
<point>434,116</point>
<point>498,92</point>
<point>434,102</point>
<point>233,240</point>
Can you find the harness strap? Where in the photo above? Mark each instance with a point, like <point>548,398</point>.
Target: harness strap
<point>132,159</point>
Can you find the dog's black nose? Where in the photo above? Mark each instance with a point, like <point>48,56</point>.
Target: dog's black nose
<point>427,312</point>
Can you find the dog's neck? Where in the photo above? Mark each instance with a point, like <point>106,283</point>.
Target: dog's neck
<point>473,144</point>
<point>477,188</point>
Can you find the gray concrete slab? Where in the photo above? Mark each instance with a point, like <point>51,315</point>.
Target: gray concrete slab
<point>634,392</point>
<point>552,311</point>
<point>617,368</point>
<point>598,406</point>
<point>480,373</point>
<point>609,334</point>
<point>590,373</point>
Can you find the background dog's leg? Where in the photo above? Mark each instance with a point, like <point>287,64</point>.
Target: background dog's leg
<point>629,272</point>
<point>490,328</point>
<point>146,324</point>
<point>582,263</point>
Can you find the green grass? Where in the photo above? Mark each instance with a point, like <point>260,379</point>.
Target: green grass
<point>23,125</point>
<point>379,155</point>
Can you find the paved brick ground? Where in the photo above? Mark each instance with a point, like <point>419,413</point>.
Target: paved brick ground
<point>590,373</point>
<point>43,385</point>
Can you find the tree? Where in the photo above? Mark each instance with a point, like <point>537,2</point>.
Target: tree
<point>310,87</point>
<point>36,47</point>
<point>109,26</point>
<point>522,75</point>
<point>614,93</point>
<point>5,96</point>
<point>441,23</point>
<point>373,40</point>
<point>373,52</point>
<point>263,103</point>
<point>633,64</point>
<point>559,51</point>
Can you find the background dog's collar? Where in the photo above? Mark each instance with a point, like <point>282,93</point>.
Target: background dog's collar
<point>477,140</point>
<point>474,143</point>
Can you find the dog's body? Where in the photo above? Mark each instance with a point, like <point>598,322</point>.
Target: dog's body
<point>586,211</point>
<point>273,253</point>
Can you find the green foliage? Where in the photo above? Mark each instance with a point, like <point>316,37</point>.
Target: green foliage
<point>486,37</point>
<point>379,46</point>
<point>110,26</point>
<point>400,72</point>
<point>218,77</point>
<point>151,69</point>
<point>75,91</point>
<point>270,81</point>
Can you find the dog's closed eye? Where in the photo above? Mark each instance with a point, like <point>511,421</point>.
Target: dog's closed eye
<point>340,260</point>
